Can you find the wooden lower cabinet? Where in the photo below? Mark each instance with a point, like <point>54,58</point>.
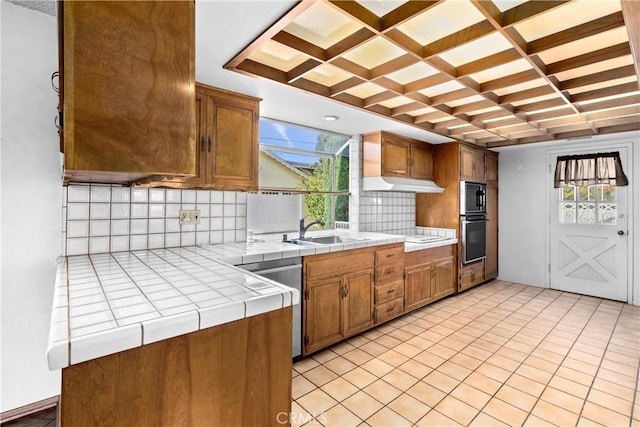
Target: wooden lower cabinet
<point>337,297</point>
<point>358,302</point>
<point>389,284</point>
<point>238,373</point>
<point>429,275</point>
<point>323,314</point>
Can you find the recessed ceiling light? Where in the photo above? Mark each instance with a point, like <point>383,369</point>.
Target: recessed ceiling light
<point>330,118</point>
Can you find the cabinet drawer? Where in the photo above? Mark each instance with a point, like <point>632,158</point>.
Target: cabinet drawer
<point>384,293</point>
<point>471,275</point>
<point>336,264</point>
<point>390,255</point>
<point>389,310</point>
<point>389,272</point>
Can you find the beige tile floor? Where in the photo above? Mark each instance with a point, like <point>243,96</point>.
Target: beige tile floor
<point>499,354</point>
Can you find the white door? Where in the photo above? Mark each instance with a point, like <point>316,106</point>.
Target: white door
<point>589,238</point>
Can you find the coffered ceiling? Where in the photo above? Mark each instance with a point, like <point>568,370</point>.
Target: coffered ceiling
<point>493,73</point>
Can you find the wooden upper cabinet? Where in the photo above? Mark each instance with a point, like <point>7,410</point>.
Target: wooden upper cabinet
<point>471,164</point>
<point>386,154</point>
<point>395,157</point>
<point>227,146</point>
<point>128,76</point>
<point>421,160</point>
<point>491,167</point>
<point>233,152</point>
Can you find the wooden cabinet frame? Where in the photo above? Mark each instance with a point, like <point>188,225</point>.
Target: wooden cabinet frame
<point>430,274</point>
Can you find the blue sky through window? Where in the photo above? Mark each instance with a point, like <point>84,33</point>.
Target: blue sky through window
<point>289,136</point>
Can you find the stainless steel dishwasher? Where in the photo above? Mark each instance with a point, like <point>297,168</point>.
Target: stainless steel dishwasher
<point>287,271</point>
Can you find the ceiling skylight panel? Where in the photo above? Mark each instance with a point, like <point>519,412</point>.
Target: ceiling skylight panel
<point>396,102</point>
<point>381,7</point>
<point>440,21</point>
<point>365,90</point>
<point>327,75</point>
<point>567,16</point>
<point>277,55</point>
<point>412,73</point>
<point>499,71</point>
<point>477,49</point>
<point>322,25</point>
<point>374,52</point>
<point>436,90</point>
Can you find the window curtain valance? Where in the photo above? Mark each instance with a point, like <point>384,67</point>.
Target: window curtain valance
<point>589,169</point>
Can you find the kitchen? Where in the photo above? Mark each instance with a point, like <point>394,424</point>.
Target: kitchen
<point>31,236</point>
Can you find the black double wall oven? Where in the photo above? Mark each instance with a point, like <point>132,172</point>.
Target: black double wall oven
<point>473,220</point>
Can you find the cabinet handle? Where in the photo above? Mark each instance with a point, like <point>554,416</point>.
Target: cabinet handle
<point>391,291</point>
<point>390,309</point>
<point>209,149</point>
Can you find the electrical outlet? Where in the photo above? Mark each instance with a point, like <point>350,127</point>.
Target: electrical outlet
<point>189,217</point>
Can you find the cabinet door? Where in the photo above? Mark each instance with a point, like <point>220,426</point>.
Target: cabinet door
<point>471,165</point>
<point>491,167</point>
<point>233,161</point>
<point>421,161</point>
<point>358,302</point>
<point>322,314</point>
<point>129,82</point>
<point>395,157</point>
<point>444,277</point>
<point>491,261</point>
<point>417,286</point>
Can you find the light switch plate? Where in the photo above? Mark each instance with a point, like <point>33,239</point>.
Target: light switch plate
<point>189,217</point>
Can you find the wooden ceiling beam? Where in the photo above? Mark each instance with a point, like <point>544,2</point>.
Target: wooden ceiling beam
<point>487,62</point>
<point>605,92</point>
<point>353,9</point>
<point>389,84</point>
<point>255,68</point>
<point>526,94</point>
<point>528,10</point>
<point>310,86</point>
<point>563,112</point>
<point>300,45</point>
<point>349,43</point>
<point>351,67</point>
<point>428,117</point>
<point>394,65</point>
<point>581,31</point>
<point>593,57</point>
<point>407,108</point>
<point>617,121</point>
<point>405,12</point>
<point>381,97</point>
<point>453,96</point>
<point>618,112</point>
<point>427,82</point>
<point>345,85</point>
<point>458,38</point>
<point>601,77</point>
<point>541,105</point>
<point>448,123</point>
<point>512,80</point>
<point>631,14</point>
<point>610,103</point>
<point>297,72</point>
<point>471,107</point>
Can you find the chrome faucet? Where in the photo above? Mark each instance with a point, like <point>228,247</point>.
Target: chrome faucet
<point>303,228</point>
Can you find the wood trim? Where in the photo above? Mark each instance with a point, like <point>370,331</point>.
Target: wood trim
<point>29,409</point>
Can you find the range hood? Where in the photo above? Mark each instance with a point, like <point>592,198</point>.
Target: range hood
<point>388,183</point>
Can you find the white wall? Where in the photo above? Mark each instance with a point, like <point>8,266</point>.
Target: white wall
<point>523,207</point>
<point>31,205</point>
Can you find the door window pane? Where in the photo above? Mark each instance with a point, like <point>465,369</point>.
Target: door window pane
<point>592,204</point>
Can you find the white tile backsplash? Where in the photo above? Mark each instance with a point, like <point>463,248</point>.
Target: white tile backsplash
<point>111,218</point>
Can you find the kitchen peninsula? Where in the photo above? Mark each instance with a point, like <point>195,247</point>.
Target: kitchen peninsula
<point>178,334</point>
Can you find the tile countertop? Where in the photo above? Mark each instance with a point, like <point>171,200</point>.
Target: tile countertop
<point>111,302</point>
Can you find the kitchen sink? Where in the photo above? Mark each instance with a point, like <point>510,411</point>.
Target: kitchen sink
<point>323,240</point>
